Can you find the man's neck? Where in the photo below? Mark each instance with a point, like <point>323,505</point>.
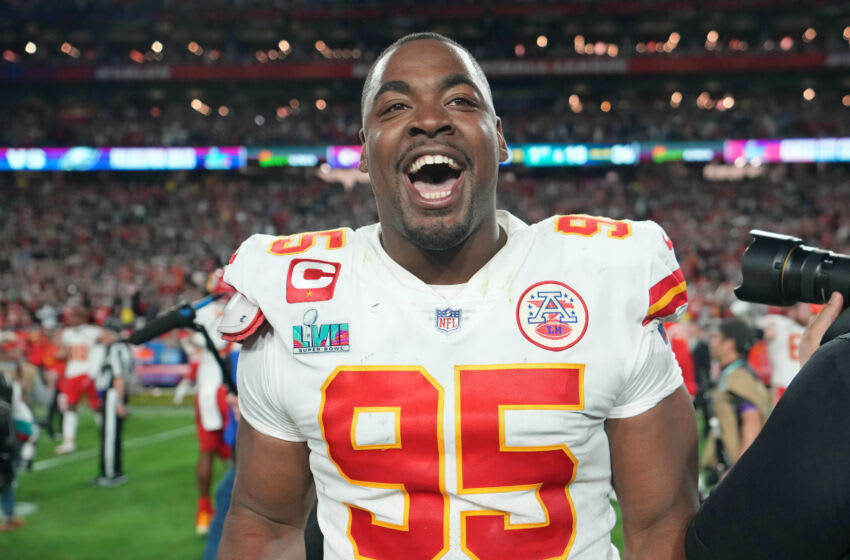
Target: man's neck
<point>452,266</point>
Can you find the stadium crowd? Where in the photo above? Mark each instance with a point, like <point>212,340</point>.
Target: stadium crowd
<point>246,32</point>
<point>132,245</point>
<point>157,116</point>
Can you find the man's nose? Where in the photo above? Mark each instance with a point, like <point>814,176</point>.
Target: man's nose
<point>430,120</point>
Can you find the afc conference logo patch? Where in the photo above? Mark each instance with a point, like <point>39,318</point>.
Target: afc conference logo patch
<point>310,337</point>
<point>311,280</point>
<point>552,315</point>
<point>448,319</point>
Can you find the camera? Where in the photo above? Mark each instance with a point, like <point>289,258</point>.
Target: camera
<point>780,270</point>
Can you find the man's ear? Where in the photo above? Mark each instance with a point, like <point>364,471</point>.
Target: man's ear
<point>504,154</point>
<point>363,165</point>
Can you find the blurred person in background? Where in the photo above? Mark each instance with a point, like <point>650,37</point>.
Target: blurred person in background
<point>741,402</point>
<point>17,427</point>
<point>211,409</point>
<point>83,352</point>
<point>782,333</point>
<point>113,386</point>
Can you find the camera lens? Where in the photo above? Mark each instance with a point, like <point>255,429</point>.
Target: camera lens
<point>780,270</point>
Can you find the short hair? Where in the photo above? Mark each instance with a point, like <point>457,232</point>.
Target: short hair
<point>740,332</point>
<point>420,36</point>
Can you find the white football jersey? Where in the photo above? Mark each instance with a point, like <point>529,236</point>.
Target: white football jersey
<point>783,350</point>
<point>84,353</point>
<point>209,372</point>
<point>467,426</point>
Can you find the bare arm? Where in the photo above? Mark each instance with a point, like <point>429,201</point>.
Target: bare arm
<point>654,465</point>
<point>272,497</point>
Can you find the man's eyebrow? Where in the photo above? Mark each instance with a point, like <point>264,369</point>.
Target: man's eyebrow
<point>456,80</point>
<point>393,85</point>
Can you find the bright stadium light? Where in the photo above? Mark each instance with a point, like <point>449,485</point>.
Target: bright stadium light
<point>156,47</point>
<point>30,47</point>
<point>676,99</point>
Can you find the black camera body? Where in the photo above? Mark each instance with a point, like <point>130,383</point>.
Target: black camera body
<point>780,270</point>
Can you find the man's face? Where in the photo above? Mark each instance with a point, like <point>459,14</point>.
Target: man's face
<point>431,145</point>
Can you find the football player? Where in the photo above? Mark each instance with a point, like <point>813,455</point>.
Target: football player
<point>82,349</point>
<point>453,382</point>
<point>782,334</point>
<point>210,400</point>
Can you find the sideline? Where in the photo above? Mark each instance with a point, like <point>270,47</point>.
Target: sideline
<point>45,464</point>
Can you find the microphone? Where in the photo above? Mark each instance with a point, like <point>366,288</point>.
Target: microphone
<point>177,318</point>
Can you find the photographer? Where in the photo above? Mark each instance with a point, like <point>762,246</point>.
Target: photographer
<point>789,494</point>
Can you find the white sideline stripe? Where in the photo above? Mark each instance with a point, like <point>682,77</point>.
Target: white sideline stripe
<point>45,464</point>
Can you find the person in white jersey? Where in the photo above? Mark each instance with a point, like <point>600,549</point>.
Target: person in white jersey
<point>210,404</point>
<point>82,348</point>
<point>782,333</point>
<point>451,382</point>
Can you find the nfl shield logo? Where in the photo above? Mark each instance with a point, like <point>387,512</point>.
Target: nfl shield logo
<point>448,319</point>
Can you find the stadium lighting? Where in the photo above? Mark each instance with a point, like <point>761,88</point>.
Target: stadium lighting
<point>676,99</point>
<point>321,104</point>
<point>156,47</point>
<point>542,41</point>
<point>808,94</point>
<point>30,47</point>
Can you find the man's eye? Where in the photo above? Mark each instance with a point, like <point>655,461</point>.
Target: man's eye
<point>393,107</point>
<point>462,101</point>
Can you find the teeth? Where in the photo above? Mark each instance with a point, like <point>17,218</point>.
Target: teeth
<point>433,160</point>
<point>436,195</point>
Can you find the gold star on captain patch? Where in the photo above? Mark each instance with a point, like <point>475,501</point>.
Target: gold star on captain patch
<point>309,293</point>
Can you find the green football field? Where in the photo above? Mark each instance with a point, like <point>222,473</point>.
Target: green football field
<point>150,517</point>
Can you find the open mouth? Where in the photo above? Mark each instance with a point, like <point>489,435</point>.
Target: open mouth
<point>434,177</point>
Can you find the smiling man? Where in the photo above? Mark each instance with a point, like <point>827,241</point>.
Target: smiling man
<point>451,382</point>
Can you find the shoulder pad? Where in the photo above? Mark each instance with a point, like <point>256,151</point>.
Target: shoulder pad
<point>241,319</point>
